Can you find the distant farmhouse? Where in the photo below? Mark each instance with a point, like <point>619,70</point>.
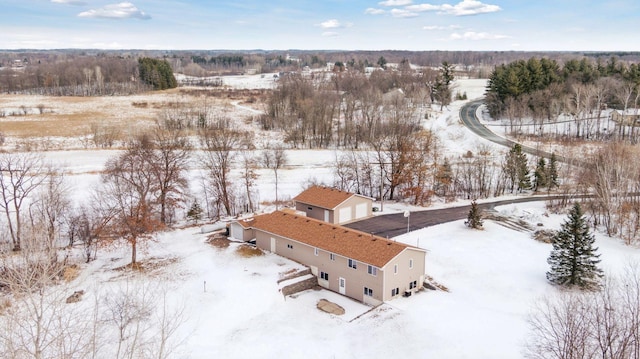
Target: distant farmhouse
<point>358,265</point>
<point>332,205</point>
<point>630,117</point>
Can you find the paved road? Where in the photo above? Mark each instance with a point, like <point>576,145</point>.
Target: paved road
<point>391,225</point>
<point>469,119</point>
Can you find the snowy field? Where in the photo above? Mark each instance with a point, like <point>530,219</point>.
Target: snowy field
<point>235,309</point>
<point>494,277</point>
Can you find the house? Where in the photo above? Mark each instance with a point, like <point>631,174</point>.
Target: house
<point>358,265</point>
<point>629,116</point>
<point>332,205</point>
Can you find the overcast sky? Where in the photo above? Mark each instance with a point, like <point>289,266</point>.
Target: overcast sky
<point>528,25</point>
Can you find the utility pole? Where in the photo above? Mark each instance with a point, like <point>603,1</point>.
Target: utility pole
<point>381,181</point>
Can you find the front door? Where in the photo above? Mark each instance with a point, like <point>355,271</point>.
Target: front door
<point>342,286</point>
<point>326,215</point>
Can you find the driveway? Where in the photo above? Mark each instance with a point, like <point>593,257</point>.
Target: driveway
<point>392,225</point>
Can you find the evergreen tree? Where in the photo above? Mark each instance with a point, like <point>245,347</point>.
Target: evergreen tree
<point>382,62</point>
<point>444,179</point>
<point>573,260</point>
<point>157,73</point>
<point>552,172</point>
<point>516,169</point>
<point>540,174</point>
<point>474,219</point>
<point>195,212</point>
<point>441,89</point>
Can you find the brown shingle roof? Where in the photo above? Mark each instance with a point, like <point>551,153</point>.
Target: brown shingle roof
<point>336,239</point>
<point>323,197</point>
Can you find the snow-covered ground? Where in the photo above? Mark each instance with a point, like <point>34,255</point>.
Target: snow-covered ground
<point>235,309</point>
<point>494,277</point>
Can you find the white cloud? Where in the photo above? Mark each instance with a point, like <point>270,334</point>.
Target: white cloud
<point>472,35</point>
<point>334,24</point>
<point>403,13</point>
<point>330,24</point>
<point>437,27</point>
<point>372,11</point>
<point>330,34</point>
<point>463,8</point>
<point>469,7</point>
<point>123,10</point>
<point>70,2</point>
<point>423,7</point>
<point>395,2</point>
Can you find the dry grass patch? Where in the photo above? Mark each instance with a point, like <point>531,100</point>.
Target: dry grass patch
<point>248,251</point>
<point>70,272</point>
<point>218,241</point>
<point>149,265</point>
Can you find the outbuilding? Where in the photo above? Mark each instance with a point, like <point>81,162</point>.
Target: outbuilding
<point>332,205</point>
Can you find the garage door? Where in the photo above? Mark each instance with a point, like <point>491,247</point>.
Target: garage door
<point>361,210</point>
<point>345,214</point>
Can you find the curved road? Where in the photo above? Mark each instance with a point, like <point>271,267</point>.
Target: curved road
<point>471,121</point>
<point>391,225</point>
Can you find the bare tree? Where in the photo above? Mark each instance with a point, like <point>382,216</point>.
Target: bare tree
<point>598,324</point>
<point>51,206</point>
<point>169,163</point>
<point>38,323</point>
<point>221,141</point>
<point>274,158</point>
<point>249,177</point>
<point>128,193</point>
<point>21,174</point>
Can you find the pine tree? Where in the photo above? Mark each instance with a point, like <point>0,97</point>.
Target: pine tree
<point>195,212</point>
<point>573,259</point>
<point>516,169</point>
<point>444,179</point>
<point>540,174</point>
<point>474,219</point>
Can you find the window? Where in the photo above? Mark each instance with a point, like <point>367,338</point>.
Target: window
<point>315,251</point>
<point>413,284</point>
<point>395,291</point>
<point>352,263</point>
<point>395,269</point>
<point>368,292</point>
<point>332,256</point>
<point>290,246</point>
<point>310,208</point>
<point>324,275</point>
<point>410,263</point>
<point>372,270</point>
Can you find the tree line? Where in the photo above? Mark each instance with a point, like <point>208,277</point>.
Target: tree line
<point>534,95</point>
<point>89,76</point>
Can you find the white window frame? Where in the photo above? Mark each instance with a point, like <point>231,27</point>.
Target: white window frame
<point>410,263</point>
<point>353,263</point>
<point>315,251</point>
<point>324,275</point>
<point>289,245</point>
<point>395,269</point>
<point>332,256</point>
<point>368,292</point>
<point>372,270</point>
